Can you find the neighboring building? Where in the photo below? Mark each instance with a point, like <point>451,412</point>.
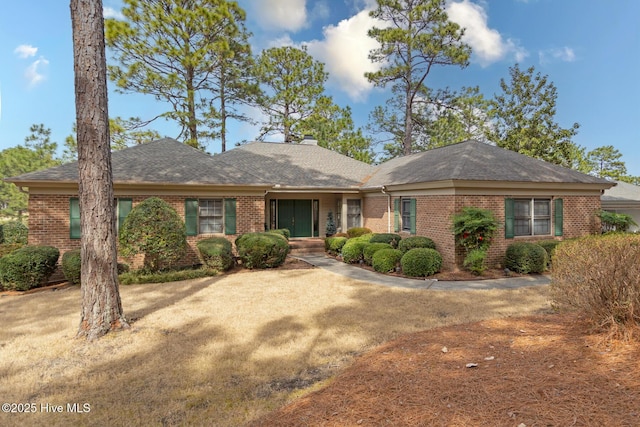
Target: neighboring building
<point>261,186</point>
<point>624,198</point>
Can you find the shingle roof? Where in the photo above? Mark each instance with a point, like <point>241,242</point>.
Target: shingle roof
<point>622,192</point>
<point>167,161</point>
<point>473,161</point>
<point>298,165</point>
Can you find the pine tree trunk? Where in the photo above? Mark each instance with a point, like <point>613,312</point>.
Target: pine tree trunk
<point>101,306</point>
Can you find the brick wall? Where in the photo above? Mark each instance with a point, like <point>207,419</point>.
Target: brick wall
<point>49,221</point>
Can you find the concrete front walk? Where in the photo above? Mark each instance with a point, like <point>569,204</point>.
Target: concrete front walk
<point>354,272</point>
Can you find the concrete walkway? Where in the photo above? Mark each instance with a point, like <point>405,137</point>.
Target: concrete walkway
<point>354,272</point>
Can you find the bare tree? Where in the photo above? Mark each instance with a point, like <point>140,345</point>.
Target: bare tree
<point>101,306</point>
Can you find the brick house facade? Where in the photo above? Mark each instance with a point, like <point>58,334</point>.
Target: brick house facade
<point>296,186</point>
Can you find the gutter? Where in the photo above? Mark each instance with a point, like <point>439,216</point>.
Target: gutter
<point>383,190</point>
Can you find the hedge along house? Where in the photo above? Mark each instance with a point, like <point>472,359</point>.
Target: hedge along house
<point>261,186</point>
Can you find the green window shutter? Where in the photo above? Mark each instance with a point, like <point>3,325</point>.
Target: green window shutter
<point>191,216</point>
<point>396,215</point>
<point>229,216</point>
<point>508,219</point>
<point>74,218</point>
<point>557,216</point>
<point>412,214</point>
<point>124,207</point>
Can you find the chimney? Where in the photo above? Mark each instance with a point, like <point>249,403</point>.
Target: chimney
<point>309,140</point>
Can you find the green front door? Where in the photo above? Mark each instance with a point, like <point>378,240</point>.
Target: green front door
<point>295,215</point>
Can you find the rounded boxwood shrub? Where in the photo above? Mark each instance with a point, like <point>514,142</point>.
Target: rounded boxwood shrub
<point>262,250</point>
<point>14,232</point>
<point>525,257</point>
<point>371,248</point>
<point>386,260</point>
<point>7,248</point>
<point>390,238</point>
<point>358,231</point>
<point>352,250</point>
<point>155,229</point>
<point>284,232</point>
<point>550,247</point>
<point>215,253</point>
<point>28,267</point>
<point>334,244</point>
<point>413,242</point>
<point>421,262</point>
<point>71,266</point>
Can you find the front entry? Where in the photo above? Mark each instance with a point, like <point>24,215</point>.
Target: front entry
<point>295,215</point>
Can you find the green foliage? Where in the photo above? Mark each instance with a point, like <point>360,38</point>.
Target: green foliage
<point>71,266</point>
<point>474,228</point>
<point>412,242</point>
<point>421,262</point>
<point>475,261</point>
<point>607,162</point>
<point>262,250</point>
<point>524,118</point>
<point>330,229</point>
<point>598,277</point>
<point>612,221</point>
<point>36,154</point>
<point>352,251</point>
<point>526,257</point>
<point>407,55</point>
<point>188,54</point>
<point>14,232</point>
<point>7,248</point>
<point>215,253</point>
<point>549,246</point>
<point>371,248</point>
<point>155,229</point>
<point>386,260</point>
<point>293,83</point>
<point>28,267</point>
<point>137,277</point>
<point>390,238</point>
<point>284,232</point>
<point>358,231</point>
<point>334,244</point>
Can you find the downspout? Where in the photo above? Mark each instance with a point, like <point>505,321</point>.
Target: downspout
<point>383,190</point>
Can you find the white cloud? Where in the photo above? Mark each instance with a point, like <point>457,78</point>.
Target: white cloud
<point>345,51</point>
<point>287,15</point>
<point>35,72</point>
<point>487,44</point>
<point>25,51</point>
<point>109,12</point>
<point>564,54</point>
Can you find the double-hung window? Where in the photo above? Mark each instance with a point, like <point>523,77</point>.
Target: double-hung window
<point>354,213</point>
<point>210,216</point>
<point>533,217</point>
<point>123,207</point>
<point>405,215</point>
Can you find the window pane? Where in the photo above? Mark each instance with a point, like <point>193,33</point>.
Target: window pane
<point>522,227</point>
<point>542,208</point>
<point>522,208</point>
<point>406,214</point>
<point>210,216</point>
<point>353,213</point>
<point>541,226</point>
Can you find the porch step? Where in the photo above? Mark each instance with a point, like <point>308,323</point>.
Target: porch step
<point>306,246</point>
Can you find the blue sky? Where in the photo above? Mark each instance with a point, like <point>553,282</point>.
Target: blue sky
<point>589,49</point>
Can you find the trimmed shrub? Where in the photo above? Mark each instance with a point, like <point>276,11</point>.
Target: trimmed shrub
<point>28,267</point>
<point>284,232</point>
<point>352,251</point>
<point>525,258</point>
<point>128,278</point>
<point>14,232</point>
<point>550,247</point>
<point>262,250</point>
<point>474,228</point>
<point>615,222</point>
<point>155,229</point>
<point>421,262</point>
<point>474,261</point>
<point>334,244</point>
<point>330,228</point>
<point>390,238</point>
<point>413,242</point>
<point>371,248</point>
<point>216,253</point>
<point>7,248</point>
<point>71,266</point>
<point>598,277</point>
<point>357,231</point>
<point>386,260</point>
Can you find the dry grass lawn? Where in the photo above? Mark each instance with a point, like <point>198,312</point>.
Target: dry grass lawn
<point>219,351</point>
